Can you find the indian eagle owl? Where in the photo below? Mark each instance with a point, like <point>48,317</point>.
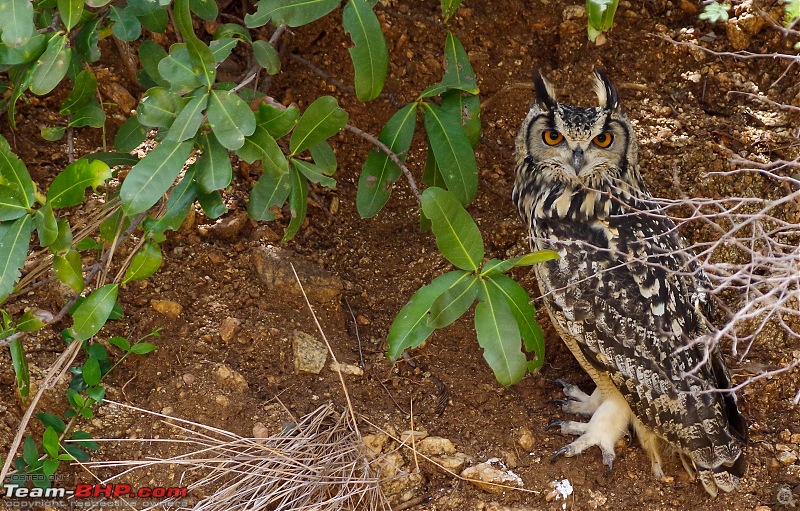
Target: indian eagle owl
<point>626,295</point>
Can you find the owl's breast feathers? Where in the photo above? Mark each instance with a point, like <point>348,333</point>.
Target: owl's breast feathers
<point>631,295</point>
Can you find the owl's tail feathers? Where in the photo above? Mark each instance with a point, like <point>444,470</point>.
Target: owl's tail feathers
<point>720,467</point>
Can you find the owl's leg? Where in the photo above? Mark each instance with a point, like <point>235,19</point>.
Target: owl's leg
<point>580,403</point>
<point>608,424</point>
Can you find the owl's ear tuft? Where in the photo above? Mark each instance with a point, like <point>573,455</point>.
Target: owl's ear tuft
<point>545,95</point>
<point>606,93</point>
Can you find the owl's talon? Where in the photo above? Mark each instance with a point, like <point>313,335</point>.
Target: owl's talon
<point>554,424</point>
<point>561,452</point>
<point>559,401</point>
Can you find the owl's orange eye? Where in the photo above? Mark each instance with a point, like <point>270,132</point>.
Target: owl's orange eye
<point>603,140</point>
<point>552,137</point>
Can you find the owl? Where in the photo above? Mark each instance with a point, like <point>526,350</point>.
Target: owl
<point>626,295</point>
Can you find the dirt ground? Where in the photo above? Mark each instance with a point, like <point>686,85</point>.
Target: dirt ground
<point>226,360</point>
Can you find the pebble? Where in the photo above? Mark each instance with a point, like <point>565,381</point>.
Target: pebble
<point>260,431</point>
<point>526,439</point>
<point>490,478</point>
<point>406,436</point>
<point>452,462</point>
<point>434,445</point>
<point>340,367</point>
<point>167,307</point>
<point>375,442</point>
<point>227,227</point>
<point>787,457</point>
<point>224,375</point>
<point>274,268</point>
<point>229,328</point>
<point>310,354</point>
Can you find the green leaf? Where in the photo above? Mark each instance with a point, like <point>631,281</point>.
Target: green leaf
<point>524,313</point>
<point>130,135</point>
<point>205,9</point>
<point>53,133</point>
<point>14,174</point>
<point>457,236</point>
<point>126,25</point>
<point>537,257</point>
<point>11,206</point>
<point>64,238</point>
<point>113,158</point>
<point>322,119</point>
<point>46,225</point>
<point>410,328</point>
<point>222,48</point>
<point>499,336</point>
<point>159,107</point>
<point>92,313</point>
<point>68,269</point>
<point>30,452</point>
<point>121,343</point>
<point>76,452</point>
<point>69,186</point>
<point>298,202</point>
<point>261,146</point>
<point>143,348</point>
<point>278,122</point>
<point>51,66</point>
<point>150,56</point>
<point>149,179</point>
<point>90,370</point>
<point>83,92</point>
<point>230,118</point>
<point>83,438</point>
<point>601,16</point>
<point>269,191</point>
<point>213,167</point>
<point>30,321</point>
<point>15,237</point>
<point>98,393</point>
<point>188,120</point>
<point>87,39</point>
<point>177,68</point>
<point>22,376</point>
<point>498,266</point>
<point>50,442</point>
<point>71,11</point>
<point>453,303</point>
<point>293,13</point>
<point>468,109</point>
<point>449,7</point>
<point>180,201</point>
<point>313,173</point>
<point>16,22</point>
<point>89,115</point>
<point>453,152</point>
<point>232,30</point>
<point>52,421</point>
<point>212,204</point>
<point>50,466</point>
<point>457,68</point>
<point>380,172</point>
<point>97,350</point>
<point>267,57</point>
<point>28,52</point>
<point>369,54</point>
<point>202,59</point>
<point>143,264</point>
<point>324,157</point>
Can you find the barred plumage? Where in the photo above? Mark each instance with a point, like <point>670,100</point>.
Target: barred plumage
<point>626,295</point>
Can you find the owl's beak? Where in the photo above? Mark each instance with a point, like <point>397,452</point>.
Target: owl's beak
<point>577,159</point>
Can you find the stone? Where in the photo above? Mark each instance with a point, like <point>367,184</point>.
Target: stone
<point>167,307</point>
<point>229,328</point>
<point>375,442</point>
<point>310,354</point>
<point>274,268</point>
<point>227,227</point>
<point>526,439</point>
<point>435,445</point>
<point>787,457</point>
<point>227,377</point>
<point>340,367</point>
<point>452,462</point>
<point>490,478</point>
<point>407,435</point>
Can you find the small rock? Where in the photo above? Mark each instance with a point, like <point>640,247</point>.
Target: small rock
<point>340,367</point>
<point>375,442</point>
<point>222,400</point>
<point>406,436</point>
<point>434,445</point>
<point>491,479</point>
<point>167,307</point>
<point>762,508</point>
<point>596,499</point>
<point>227,377</point>
<point>688,6</point>
<point>787,457</point>
<point>573,12</point>
<point>227,227</point>
<point>274,268</point>
<point>260,431</point>
<point>795,438</point>
<point>229,328</point>
<point>118,94</point>
<point>452,462</point>
<point>526,440</point>
<point>188,378</point>
<point>310,354</point>
<point>736,36</point>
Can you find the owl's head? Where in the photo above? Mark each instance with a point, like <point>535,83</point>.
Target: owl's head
<point>594,147</point>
